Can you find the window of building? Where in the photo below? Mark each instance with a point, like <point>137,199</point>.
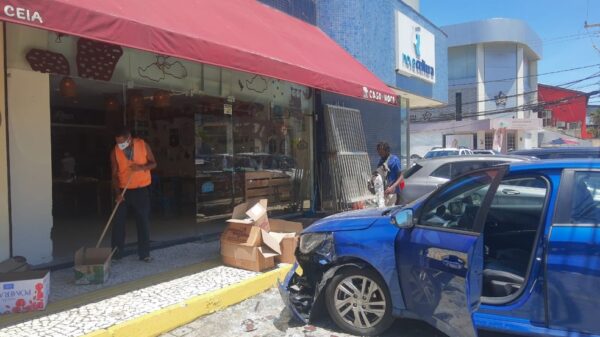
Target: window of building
<point>489,140</point>
<point>462,63</point>
<point>219,136</point>
<point>511,141</point>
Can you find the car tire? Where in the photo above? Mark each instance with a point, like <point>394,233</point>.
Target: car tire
<point>348,296</point>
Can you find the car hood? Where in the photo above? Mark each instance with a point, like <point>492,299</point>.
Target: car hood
<point>348,221</point>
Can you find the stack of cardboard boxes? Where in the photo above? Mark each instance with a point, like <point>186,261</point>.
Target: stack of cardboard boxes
<point>254,242</point>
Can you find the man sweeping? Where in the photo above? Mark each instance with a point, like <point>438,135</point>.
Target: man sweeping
<point>131,162</point>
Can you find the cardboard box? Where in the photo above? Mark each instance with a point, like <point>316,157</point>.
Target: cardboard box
<point>24,291</point>
<point>92,265</point>
<point>248,247</point>
<point>247,257</point>
<point>286,233</point>
<point>246,242</point>
<point>254,242</point>
<point>253,213</point>
<point>14,264</point>
<point>287,243</point>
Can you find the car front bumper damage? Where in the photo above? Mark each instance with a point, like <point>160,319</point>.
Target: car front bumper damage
<point>304,285</point>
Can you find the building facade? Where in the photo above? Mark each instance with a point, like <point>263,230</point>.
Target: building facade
<point>382,36</point>
<point>492,72</point>
<point>228,118</point>
<point>564,110</point>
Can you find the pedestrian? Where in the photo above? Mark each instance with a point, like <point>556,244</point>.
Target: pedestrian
<point>131,162</point>
<point>389,167</point>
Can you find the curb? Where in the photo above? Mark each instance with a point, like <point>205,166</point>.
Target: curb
<point>174,316</point>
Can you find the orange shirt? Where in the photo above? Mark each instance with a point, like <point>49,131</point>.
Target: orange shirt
<point>139,179</point>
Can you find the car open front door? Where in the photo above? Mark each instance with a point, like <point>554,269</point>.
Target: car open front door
<point>440,259</point>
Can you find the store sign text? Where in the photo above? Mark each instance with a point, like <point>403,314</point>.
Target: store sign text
<point>15,293</point>
<point>418,66</point>
<point>22,14</point>
<point>415,49</point>
<point>378,96</point>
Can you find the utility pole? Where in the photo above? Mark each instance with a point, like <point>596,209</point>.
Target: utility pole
<point>458,106</point>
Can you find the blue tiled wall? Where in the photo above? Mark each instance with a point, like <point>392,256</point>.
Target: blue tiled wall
<point>367,30</point>
<point>302,9</point>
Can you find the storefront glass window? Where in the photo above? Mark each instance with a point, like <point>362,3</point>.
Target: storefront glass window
<point>219,136</point>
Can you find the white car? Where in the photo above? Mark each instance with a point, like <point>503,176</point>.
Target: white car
<point>448,151</point>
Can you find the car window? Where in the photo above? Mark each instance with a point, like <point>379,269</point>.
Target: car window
<point>412,170</point>
<point>456,206</point>
<point>460,168</point>
<point>586,198</point>
<point>435,154</point>
<point>526,192</point>
<point>442,172</point>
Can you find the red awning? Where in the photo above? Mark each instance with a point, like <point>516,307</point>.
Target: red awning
<point>237,34</point>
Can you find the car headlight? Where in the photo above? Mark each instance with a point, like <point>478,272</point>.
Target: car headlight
<point>310,242</point>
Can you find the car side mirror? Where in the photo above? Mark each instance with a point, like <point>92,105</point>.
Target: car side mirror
<point>403,219</point>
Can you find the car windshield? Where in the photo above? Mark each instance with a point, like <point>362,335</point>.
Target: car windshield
<point>444,153</point>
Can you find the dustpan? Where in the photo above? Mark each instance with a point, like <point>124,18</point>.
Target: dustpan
<point>92,264</point>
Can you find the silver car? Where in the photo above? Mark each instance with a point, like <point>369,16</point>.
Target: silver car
<point>426,175</point>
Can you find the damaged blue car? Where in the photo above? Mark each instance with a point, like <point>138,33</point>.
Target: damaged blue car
<point>512,249</point>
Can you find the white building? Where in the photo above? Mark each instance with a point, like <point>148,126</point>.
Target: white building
<point>492,69</point>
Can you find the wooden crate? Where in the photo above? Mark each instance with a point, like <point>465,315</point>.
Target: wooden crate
<point>274,186</point>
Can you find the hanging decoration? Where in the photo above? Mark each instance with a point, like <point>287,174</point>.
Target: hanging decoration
<point>308,93</point>
<point>257,84</point>
<point>135,99</point>
<point>67,87</point>
<point>162,99</point>
<point>111,103</point>
<point>295,103</point>
<point>159,70</point>
<point>97,60</point>
<point>48,62</point>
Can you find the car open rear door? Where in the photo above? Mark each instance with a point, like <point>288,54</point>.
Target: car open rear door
<point>440,259</point>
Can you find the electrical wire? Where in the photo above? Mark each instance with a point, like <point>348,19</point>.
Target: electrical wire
<point>520,77</point>
<point>524,107</point>
<point>563,85</point>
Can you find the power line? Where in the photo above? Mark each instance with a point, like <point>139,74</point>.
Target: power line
<point>535,75</point>
<point>524,107</point>
<point>563,85</point>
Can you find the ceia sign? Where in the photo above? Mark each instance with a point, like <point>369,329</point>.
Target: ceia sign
<point>415,51</point>
<point>23,14</point>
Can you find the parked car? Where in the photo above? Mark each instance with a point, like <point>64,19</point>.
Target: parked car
<point>488,152</point>
<point>511,249</point>
<point>561,152</point>
<point>445,152</point>
<point>426,175</point>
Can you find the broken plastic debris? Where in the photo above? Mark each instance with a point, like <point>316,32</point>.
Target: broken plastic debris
<point>248,325</point>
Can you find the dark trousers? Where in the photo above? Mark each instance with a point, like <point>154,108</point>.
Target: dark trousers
<point>138,200</point>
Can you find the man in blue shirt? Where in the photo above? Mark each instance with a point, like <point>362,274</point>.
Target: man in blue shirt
<point>390,164</point>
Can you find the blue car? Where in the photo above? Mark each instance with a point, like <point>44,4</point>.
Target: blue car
<point>507,250</point>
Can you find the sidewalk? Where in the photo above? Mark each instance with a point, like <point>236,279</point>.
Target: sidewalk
<point>127,302</point>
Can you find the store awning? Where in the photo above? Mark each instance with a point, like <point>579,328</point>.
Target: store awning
<point>244,35</point>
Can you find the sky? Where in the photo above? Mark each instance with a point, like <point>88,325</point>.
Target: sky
<point>559,23</point>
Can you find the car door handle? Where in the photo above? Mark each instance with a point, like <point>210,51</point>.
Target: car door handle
<point>508,191</point>
<point>453,262</point>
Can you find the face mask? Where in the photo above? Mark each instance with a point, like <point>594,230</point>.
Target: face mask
<point>124,145</point>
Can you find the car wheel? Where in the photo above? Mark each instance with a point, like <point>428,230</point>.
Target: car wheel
<point>358,301</point>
